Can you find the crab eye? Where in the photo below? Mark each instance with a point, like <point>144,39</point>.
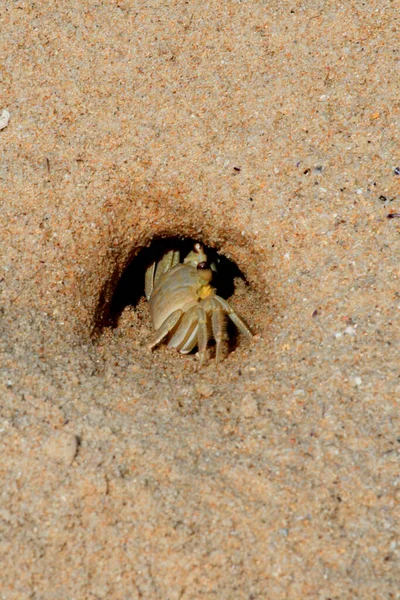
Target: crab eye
<point>205,271</point>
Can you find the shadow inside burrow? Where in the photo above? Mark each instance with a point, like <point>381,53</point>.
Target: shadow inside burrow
<point>129,290</point>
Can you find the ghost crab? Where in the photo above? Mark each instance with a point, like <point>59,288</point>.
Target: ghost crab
<point>184,306</point>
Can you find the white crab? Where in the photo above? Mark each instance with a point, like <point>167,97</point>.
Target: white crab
<point>184,306</point>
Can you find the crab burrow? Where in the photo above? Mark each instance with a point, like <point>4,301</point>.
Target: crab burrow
<point>184,306</point>
<point>181,293</point>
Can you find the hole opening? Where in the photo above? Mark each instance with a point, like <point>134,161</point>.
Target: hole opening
<point>129,309</point>
<point>130,288</point>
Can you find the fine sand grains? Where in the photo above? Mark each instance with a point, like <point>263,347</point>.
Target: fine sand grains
<point>268,132</point>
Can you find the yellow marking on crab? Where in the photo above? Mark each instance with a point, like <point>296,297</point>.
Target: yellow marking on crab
<point>206,291</point>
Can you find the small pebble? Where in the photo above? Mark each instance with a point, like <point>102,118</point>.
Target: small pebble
<point>284,531</point>
<point>299,392</point>
<point>249,406</point>
<point>350,330</point>
<point>4,119</point>
<point>358,381</point>
<point>62,447</point>
<point>204,389</point>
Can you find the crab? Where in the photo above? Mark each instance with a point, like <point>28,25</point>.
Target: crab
<point>184,307</point>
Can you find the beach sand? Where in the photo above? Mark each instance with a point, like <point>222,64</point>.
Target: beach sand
<point>270,133</point>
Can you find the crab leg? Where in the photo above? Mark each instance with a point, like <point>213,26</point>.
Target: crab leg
<point>191,342</point>
<point>155,270</point>
<point>202,333</point>
<point>234,317</point>
<point>218,323</point>
<point>149,280</point>
<point>165,328</point>
<point>184,330</point>
<point>169,260</point>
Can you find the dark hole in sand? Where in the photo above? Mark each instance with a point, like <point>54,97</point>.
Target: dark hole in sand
<point>130,287</point>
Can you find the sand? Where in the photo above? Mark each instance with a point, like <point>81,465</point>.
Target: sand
<point>269,132</point>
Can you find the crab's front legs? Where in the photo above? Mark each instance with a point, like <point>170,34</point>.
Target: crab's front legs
<point>165,328</point>
<point>241,325</point>
<point>218,324</point>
